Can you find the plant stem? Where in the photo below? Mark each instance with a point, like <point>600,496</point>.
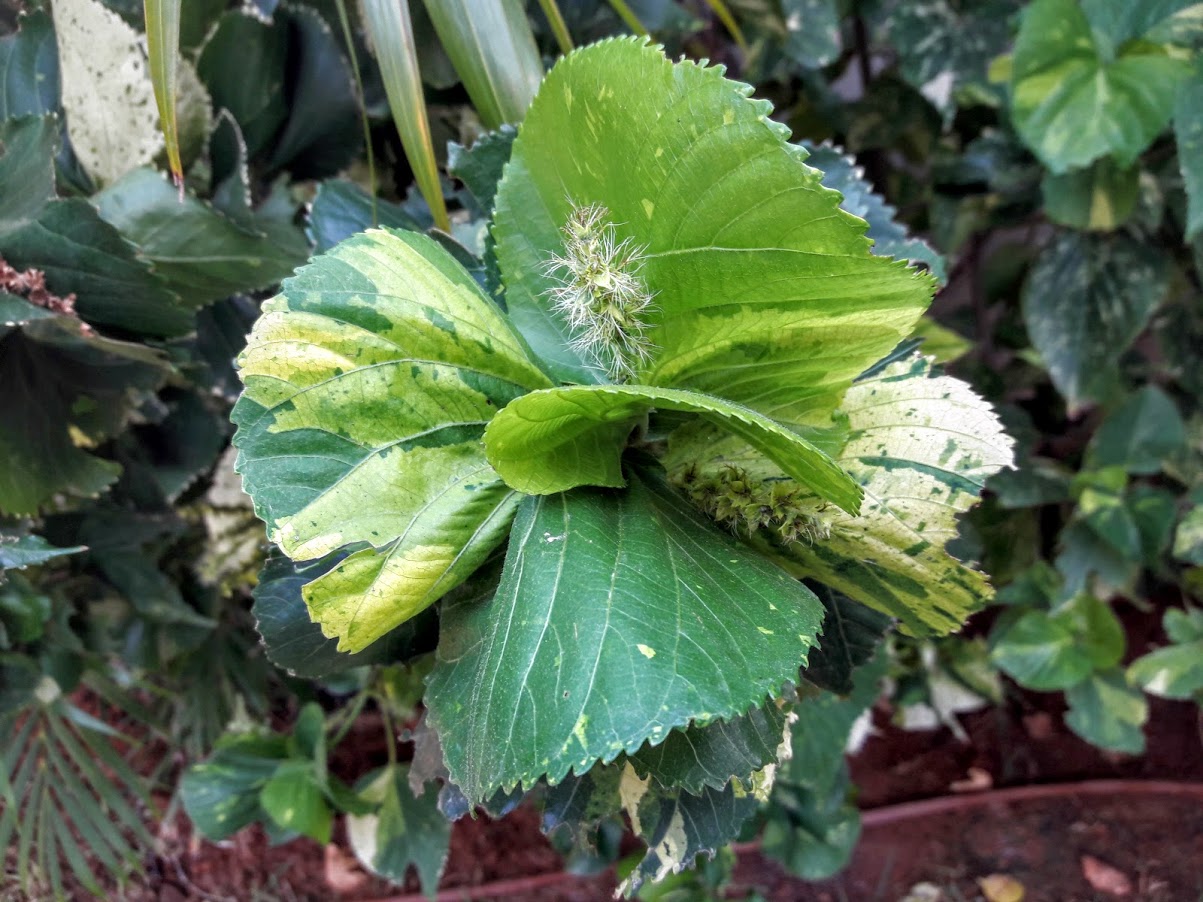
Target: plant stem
<point>556,20</point>
<point>345,21</point>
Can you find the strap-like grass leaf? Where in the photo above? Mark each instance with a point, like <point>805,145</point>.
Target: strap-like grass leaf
<point>494,53</point>
<point>369,382</point>
<point>765,292</point>
<point>620,616</point>
<point>553,440</point>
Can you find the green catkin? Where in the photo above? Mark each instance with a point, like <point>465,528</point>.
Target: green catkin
<point>601,294</point>
<point>732,498</point>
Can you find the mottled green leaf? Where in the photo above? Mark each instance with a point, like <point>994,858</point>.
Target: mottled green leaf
<point>341,209</point>
<point>946,46</point>
<point>679,826</point>
<point>406,830</point>
<point>106,90</point>
<point>714,755</point>
<point>560,438</point>
<point>1085,300</point>
<point>369,382</point>
<point>1099,197</point>
<point>29,61</point>
<point>1107,712</point>
<point>620,616</point>
<point>765,293</point>
<point>812,28</point>
<point>293,799</point>
<point>1140,435</point>
<point>1188,538</point>
<point>1175,671</point>
<point>203,255</point>
<point>1040,652</point>
<point>922,446</point>
<point>1075,99</point>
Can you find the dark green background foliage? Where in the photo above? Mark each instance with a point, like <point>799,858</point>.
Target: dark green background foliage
<point>1040,159</point>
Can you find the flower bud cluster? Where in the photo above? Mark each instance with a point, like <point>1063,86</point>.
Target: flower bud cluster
<point>733,498</point>
<point>600,293</point>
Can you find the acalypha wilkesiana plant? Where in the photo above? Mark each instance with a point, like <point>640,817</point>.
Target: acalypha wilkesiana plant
<point>681,402</point>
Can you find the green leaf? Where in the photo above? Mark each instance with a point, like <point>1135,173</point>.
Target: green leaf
<point>1140,435</point>
<point>65,391</point>
<point>494,53</point>
<point>1075,99</point>
<point>1106,711</point>
<point>812,833</point>
<point>560,438</point>
<point>679,826</point>
<point>221,794</point>
<point>1035,483</point>
<point>243,64</point>
<point>922,446</point>
<point>407,830</point>
<point>106,90</point>
<point>813,32</point>
<point>822,726</point>
<point>620,616</point>
<point>851,633</point>
<point>369,382</point>
<point>1188,130</point>
<point>341,209</point>
<point>321,136</point>
<point>766,294</point>
<point>1183,625</point>
<point>294,800</point>
<point>1115,22</point>
<point>203,255</point>
<point>945,47</point>
<point>81,254</point>
<point>1099,633</point>
<point>295,643</point>
<point>1084,302</point>
<point>1099,197</point>
<point>1040,652</point>
<point>29,60</point>
<point>19,552</point>
<point>890,237</point>
<point>1175,671</point>
<point>480,166</point>
<point>26,168</point>
<point>1188,538</point>
<point>714,755</point>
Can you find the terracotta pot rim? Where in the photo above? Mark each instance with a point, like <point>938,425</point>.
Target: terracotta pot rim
<point>902,811</point>
<point>881,816</point>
